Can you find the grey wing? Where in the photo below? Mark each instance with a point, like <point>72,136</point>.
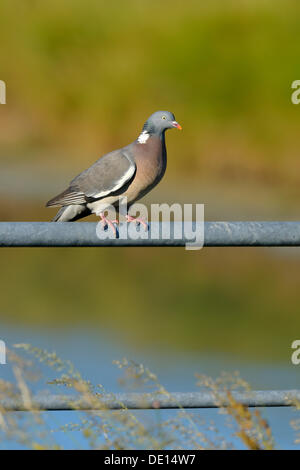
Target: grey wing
<point>107,175</point>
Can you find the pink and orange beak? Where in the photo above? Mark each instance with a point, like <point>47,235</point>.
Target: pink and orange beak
<point>175,124</point>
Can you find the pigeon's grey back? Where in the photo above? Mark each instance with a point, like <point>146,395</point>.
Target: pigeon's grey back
<point>107,175</point>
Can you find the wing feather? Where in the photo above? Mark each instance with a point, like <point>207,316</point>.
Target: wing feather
<point>106,176</point>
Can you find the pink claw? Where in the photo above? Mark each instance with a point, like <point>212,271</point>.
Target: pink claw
<point>109,223</point>
<point>129,219</point>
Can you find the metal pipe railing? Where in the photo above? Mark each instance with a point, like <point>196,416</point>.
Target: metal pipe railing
<point>135,401</point>
<point>83,234</point>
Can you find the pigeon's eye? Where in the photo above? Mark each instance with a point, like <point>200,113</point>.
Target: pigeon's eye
<point>164,117</point>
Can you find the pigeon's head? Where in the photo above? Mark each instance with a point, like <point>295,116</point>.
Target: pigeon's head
<point>160,121</point>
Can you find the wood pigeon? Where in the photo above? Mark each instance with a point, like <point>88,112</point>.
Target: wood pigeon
<point>131,171</point>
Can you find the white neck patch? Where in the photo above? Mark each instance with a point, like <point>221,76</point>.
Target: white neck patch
<point>143,137</point>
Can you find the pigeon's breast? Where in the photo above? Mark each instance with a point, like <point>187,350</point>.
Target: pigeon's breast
<point>151,161</point>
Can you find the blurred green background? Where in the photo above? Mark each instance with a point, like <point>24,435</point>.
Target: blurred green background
<point>81,79</point>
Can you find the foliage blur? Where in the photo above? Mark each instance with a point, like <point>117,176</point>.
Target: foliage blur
<point>81,79</point>
<point>108,429</point>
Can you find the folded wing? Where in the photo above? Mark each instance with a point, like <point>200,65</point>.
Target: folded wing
<point>106,176</point>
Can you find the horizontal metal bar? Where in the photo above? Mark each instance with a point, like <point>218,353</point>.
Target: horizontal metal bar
<point>83,234</point>
<point>135,401</point>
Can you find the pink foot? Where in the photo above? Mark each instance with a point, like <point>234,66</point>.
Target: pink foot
<point>129,219</point>
<point>108,223</point>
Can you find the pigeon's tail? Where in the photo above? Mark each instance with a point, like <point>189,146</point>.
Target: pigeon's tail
<point>71,213</point>
<point>59,214</point>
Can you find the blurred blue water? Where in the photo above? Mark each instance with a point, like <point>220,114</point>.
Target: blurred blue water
<point>93,355</point>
